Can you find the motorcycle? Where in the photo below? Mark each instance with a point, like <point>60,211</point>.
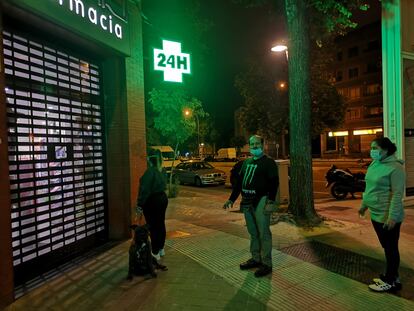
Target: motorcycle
<point>344,182</point>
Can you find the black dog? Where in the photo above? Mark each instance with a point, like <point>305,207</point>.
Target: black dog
<point>141,261</point>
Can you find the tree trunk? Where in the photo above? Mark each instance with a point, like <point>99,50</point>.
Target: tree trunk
<point>172,168</point>
<point>301,186</point>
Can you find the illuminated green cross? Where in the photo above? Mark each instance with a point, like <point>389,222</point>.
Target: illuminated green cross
<point>172,61</point>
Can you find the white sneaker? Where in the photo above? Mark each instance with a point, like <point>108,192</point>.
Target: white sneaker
<point>381,286</point>
<point>162,252</point>
<point>397,284</point>
<point>156,256</point>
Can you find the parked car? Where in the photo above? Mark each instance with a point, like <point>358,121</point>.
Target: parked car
<point>243,156</point>
<point>209,158</point>
<point>198,173</point>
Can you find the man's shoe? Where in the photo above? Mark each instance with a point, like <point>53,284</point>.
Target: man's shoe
<point>162,252</point>
<point>382,286</point>
<point>251,263</point>
<point>263,270</point>
<point>156,256</point>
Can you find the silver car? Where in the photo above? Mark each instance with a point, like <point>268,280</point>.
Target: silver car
<point>198,173</point>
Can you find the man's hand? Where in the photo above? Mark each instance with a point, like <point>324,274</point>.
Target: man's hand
<point>228,204</point>
<point>270,207</point>
<point>362,211</point>
<point>390,224</point>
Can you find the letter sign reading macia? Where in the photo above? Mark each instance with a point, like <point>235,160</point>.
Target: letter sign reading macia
<point>105,22</point>
<point>172,61</point>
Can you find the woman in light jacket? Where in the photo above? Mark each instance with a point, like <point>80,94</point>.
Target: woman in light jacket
<point>383,196</point>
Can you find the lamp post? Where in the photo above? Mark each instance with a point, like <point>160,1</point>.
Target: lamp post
<point>187,113</point>
<point>280,48</point>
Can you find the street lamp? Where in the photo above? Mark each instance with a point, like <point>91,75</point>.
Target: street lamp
<point>280,48</point>
<point>187,113</point>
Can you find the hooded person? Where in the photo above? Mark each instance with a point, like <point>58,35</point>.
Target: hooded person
<point>383,197</point>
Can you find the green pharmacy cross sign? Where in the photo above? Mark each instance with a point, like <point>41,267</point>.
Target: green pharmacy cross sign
<point>172,61</point>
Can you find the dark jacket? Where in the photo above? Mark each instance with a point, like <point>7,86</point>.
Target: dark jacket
<point>256,178</point>
<point>153,181</point>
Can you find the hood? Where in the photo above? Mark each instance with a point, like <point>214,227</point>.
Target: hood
<point>392,158</point>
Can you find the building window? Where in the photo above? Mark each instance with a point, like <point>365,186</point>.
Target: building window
<point>372,89</point>
<point>339,56</point>
<point>375,111</point>
<point>353,52</point>
<point>353,73</point>
<point>344,92</point>
<point>354,92</point>
<point>339,76</point>
<point>353,114</point>
<point>330,143</point>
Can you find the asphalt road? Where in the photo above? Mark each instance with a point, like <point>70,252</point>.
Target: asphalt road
<point>319,170</point>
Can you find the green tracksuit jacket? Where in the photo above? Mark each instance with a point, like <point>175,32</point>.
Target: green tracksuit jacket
<point>384,192</point>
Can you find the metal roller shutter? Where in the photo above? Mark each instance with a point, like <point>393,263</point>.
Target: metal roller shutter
<point>56,153</point>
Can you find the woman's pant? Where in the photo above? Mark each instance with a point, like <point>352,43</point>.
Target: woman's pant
<point>389,241</point>
<point>154,212</point>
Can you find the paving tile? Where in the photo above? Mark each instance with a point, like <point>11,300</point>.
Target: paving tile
<point>203,275</point>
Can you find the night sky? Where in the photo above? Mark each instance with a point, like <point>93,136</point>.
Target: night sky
<point>237,34</point>
<point>219,55</point>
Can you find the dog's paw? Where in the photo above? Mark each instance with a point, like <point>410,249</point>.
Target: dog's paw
<point>162,268</point>
<point>129,277</point>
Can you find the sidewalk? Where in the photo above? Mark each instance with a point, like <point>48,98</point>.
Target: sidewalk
<point>206,244</point>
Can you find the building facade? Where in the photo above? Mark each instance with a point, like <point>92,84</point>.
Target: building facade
<point>357,75</point>
<point>398,77</point>
<point>72,130</point>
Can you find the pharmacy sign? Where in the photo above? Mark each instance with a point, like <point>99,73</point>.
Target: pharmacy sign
<point>172,61</point>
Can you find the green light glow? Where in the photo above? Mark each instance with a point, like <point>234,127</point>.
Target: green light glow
<point>172,61</point>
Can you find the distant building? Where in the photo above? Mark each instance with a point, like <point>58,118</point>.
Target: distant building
<point>357,75</point>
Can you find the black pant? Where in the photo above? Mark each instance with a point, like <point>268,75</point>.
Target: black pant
<point>389,242</point>
<point>154,212</point>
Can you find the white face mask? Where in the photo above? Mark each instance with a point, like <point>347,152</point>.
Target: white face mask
<point>375,154</point>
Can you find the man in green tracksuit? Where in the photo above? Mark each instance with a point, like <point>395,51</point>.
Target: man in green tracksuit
<point>258,182</point>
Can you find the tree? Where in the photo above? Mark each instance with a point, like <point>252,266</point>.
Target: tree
<point>265,107</point>
<point>332,16</point>
<point>329,16</point>
<point>168,106</point>
<point>328,107</point>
